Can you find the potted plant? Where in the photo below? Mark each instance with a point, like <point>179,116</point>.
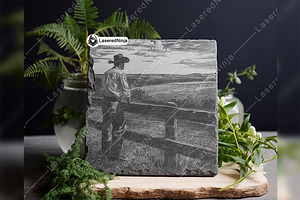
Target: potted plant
<point>228,94</point>
<point>70,64</point>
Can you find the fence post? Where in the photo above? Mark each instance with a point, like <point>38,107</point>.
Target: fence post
<point>170,133</point>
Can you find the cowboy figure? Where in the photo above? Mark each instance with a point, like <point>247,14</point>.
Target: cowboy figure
<point>114,87</point>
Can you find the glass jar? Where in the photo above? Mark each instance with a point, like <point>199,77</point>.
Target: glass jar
<point>238,108</point>
<point>74,96</point>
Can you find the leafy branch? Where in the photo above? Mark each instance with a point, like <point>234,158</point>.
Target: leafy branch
<point>241,144</point>
<point>234,77</point>
<point>73,176</point>
<point>65,114</point>
<point>70,37</point>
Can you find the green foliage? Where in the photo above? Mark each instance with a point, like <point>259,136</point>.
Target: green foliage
<point>61,117</point>
<point>71,24</point>
<point>241,144</point>
<point>13,61</point>
<point>71,34</point>
<point>86,13</point>
<point>141,29</point>
<point>116,25</point>
<point>234,77</point>
<point>63,36</point>
<point>73,177</point>
<point>289,151</point>
<point>45,73</point>
<point>65,114</point>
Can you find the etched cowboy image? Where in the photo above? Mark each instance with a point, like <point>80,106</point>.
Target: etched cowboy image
<point>170,126</point>
<point>114,88</point>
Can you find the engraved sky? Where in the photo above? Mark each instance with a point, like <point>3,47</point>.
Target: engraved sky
<point>160,56</point>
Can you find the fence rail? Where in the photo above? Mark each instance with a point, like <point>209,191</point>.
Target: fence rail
<point>163,111</point>
<point>170,113</point>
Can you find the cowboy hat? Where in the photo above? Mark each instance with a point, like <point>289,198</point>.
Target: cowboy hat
<point>119,58</point>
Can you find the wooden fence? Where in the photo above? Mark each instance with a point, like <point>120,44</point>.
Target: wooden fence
<point>170,113</point>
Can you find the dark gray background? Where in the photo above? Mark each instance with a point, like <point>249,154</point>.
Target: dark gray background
<point>231,23</point>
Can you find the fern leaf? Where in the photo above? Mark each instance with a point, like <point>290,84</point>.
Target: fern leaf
<point>113,25</point>
<point>86,13</point>
<point>45,73</point>
<point>141,29</point>
<point>117,25</point>
<point>62,35</point>
<point>45,49</point>
<point>71,24</point>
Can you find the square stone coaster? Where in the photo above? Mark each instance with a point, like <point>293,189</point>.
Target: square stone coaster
<point>143,187</point>
<point>169,128</point>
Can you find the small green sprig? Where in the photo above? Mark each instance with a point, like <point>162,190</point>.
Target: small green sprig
<point>62,116</point>
<point>73,177</point>
<point>65,114</point>
<point>234,77</point>
<point>241,144</point>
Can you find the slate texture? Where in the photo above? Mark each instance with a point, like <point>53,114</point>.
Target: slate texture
<point>171,124</point>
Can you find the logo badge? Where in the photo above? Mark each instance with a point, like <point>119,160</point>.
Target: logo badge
<point>92,40</point>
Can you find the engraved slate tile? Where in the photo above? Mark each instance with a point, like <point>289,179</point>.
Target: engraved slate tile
<point>154,108</point>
